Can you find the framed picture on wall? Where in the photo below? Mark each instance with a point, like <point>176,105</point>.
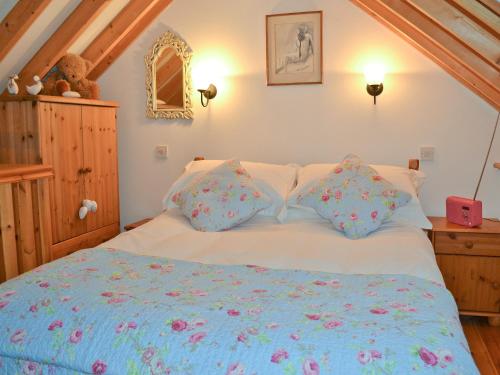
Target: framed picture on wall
<point>294,48</point>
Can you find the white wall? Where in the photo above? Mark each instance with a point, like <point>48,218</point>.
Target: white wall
<point>421,105</point>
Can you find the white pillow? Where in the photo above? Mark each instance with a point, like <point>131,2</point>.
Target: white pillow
<point>276,181</point>
<point>402,178</point>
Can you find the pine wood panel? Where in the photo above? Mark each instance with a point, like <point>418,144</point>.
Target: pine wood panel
<point>58,99</point>
<point>42,219</point>
<point>24,219</point>
<point>491,5</point>
<point>57,45</point>
<point>474,244</point>
<point>473,281</point>
<point>86,240</point>
<point>117,29</point>
<point>438,44</point>
<point>441,224</point>
<point>67,188</point>
<point>100,157</point>
<point>19,133</point>
<point>17,21</point>
<point>465,29</point>
<point>480,14</point>
<point>10,173</point>
<point>8,255</point>
<point>484,344</point>
<point>127,38</point>
<point>51,130</point>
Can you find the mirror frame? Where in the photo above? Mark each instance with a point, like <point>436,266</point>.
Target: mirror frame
<point>182,50</point>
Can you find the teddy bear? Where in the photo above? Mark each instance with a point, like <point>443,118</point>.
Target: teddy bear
<point>69,74</point>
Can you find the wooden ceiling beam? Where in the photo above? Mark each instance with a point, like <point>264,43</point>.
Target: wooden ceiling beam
<point>57,45</point>
<point>463,28</point>
<point>483,16</point>
<point>17,21</point>
<point>492,5</point>
<point>121,32</point>
<point>438,44</point>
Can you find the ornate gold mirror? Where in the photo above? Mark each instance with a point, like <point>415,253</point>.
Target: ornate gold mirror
<point>168,78</point>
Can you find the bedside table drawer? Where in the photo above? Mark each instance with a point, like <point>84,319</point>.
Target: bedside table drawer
<point>467,243</point>
<point>474,281</point>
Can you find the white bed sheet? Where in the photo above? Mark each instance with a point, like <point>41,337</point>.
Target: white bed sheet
<point>307,244</point>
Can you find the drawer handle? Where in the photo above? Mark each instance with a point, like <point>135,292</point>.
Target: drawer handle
<point>469,244</point>
<point>453,236</point>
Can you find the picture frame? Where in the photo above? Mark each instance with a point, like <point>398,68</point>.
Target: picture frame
<point>294,48</point>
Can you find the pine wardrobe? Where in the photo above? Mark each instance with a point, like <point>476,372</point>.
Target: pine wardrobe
<point>77,137</point>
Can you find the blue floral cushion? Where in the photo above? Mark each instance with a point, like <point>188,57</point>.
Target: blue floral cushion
<point>354,197</point>
<point>221,199</point>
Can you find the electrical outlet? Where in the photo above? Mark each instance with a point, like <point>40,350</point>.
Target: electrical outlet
<point>161,151</point>
<point>427,153</point>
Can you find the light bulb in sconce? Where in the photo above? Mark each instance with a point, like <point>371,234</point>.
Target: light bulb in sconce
<point>208,75</point>
<point>374,76</point>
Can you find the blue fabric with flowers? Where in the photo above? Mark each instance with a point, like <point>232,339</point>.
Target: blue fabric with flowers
<point>221,199</point>
<point>354,197</point>
<point>102,312</point>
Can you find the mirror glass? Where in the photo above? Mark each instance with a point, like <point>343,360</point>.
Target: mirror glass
<point>168,78</point>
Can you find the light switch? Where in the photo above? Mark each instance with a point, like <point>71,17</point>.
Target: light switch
<point>427,153</point>
<point>161,151</point>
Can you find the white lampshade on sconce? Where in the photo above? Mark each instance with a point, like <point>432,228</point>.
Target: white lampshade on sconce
<point>374,76</point>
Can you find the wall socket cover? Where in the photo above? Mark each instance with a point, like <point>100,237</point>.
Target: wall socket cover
<point>161,151</point>
<point>427,153</point>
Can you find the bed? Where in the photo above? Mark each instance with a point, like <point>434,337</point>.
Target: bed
<point>262,298</point>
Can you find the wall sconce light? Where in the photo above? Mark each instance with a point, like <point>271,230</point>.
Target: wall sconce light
<point>374,75</point>
<point>208,94</point>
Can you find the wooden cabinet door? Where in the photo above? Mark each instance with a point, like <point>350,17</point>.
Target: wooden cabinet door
<point>100,161</point>
<point>474,281</point>
<point>64,125</point>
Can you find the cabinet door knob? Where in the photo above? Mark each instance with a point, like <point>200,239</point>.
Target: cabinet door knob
<point>452,235</point>
<point>469,244</point>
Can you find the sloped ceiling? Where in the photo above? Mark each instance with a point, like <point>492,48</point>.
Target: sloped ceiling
<point>100,30</point>
<point>462,36</point>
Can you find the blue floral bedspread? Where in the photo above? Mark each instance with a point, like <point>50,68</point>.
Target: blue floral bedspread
<point>111,312</point>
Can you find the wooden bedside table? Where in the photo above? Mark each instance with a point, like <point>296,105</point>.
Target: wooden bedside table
<point>469,259</point>
<point>137,224</point>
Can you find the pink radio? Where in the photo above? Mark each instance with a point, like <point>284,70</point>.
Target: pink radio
<point>463,211</point>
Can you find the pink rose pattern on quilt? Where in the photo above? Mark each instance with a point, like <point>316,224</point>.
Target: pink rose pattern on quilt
<point>221,199</point>
<point>103,312</point>
<point>354,197</point>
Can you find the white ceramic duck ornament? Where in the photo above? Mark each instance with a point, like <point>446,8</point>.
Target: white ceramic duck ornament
<point>36,88</point>
<point>12,87</point>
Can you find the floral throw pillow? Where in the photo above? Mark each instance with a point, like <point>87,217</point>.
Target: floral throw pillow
<point>354,197</point>
<point>221,199</point>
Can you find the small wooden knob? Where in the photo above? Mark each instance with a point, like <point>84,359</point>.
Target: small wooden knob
<point>469,245</point>
<point>495,285</point>
<point>452,235</point>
